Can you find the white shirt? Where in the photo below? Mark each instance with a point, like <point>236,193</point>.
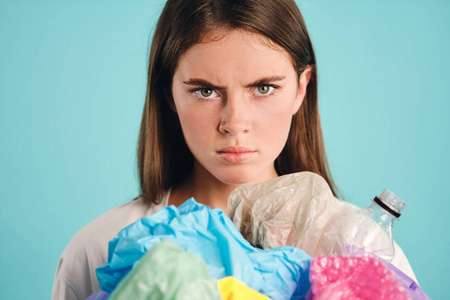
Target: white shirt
<point>75,277</point>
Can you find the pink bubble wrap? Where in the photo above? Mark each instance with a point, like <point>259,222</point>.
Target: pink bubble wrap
<point>350,277</point>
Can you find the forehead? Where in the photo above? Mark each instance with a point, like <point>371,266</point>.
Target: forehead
<point>224,33</point>
<point>235,50</point>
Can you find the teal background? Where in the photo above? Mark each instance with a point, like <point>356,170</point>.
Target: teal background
<point>72,87</point>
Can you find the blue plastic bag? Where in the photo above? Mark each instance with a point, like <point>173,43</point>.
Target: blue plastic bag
<point>279,273</point>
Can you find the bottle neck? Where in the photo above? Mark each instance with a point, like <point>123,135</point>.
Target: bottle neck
<point>380,215</point>
<point>392,210</point>
<point>390,202</point>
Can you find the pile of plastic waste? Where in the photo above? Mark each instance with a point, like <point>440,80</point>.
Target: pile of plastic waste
<point>265,251</point>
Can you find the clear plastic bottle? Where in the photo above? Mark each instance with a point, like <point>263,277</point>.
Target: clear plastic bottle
<point>369,230</point>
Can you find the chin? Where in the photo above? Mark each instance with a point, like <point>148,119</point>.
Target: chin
<point>239,178</point>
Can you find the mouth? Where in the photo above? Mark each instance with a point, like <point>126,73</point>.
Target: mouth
<point>235,155</point>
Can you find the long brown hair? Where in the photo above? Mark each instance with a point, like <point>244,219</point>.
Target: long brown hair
<point>164,159</point>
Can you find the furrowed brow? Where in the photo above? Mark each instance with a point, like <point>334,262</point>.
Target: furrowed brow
<point>266,80</point>
<point>202,83</point>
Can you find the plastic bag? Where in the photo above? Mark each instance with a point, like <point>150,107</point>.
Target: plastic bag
<point>279,273</point>
<point>167,272</point>
<point>98,295</point>
<point>352,277</point>
<point>298,210</point>
<point>232,289</point>
<point>412,288</point>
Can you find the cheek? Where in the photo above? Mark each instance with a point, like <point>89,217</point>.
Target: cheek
<point>276,127</point>
<point>276,122</point>
<point>197,125</point>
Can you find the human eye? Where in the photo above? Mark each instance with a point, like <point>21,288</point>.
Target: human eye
<point>264,90</point>
<point>205,93</point>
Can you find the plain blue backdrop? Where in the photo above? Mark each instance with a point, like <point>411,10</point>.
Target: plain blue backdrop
<point>72,87</point>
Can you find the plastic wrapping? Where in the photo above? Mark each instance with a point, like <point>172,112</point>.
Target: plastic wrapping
<point>412,288</point>
<point>232,289</point>
<point>98,295</point>
<point>166,273</point>
<point>351,277</point>
<point>280,273</point>
<point>297,210</point>
<point>300,210</point>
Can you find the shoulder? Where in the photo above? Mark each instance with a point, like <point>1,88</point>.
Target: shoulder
<point>345,207</point>
<point>98,232</point>
<point>88,249</point>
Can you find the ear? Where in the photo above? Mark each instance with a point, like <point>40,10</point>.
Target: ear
<point>303,81</point>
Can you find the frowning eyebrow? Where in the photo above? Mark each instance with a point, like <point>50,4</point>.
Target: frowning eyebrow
<point>258,82</point>
<point>203,83</point>
<point>266,81</point>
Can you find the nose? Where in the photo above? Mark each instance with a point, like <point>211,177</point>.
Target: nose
<point>235,116</point>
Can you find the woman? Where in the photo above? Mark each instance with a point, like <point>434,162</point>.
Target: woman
<point>231,100</point>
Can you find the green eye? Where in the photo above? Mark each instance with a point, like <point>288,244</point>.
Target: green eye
<point>264,89</point>
<point>206,93</point>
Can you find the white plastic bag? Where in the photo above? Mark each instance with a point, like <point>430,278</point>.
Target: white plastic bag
<point>296,210</point>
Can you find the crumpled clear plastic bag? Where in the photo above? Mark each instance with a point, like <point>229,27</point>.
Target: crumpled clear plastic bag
<point>167,273</point>
<point>281,273</point>
<point>297,210</point>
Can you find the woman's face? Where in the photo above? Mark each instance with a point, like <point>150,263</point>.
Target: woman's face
<point>235,95</point>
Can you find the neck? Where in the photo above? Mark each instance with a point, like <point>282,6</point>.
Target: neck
<point>205,188</point>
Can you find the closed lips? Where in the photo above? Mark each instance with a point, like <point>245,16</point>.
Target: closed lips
<point>235,150</point>
<point>235,155</point>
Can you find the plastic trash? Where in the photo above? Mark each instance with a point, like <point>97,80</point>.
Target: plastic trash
<point>167,272</point>
<point>98,295</point>
<point>354,277</point>
<point>296,209</point>
<point>370,230</point>
<point>280,273</point>
<point>412,288</point>
<point>232,289</point>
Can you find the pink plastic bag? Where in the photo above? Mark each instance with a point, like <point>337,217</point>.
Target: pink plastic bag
<point>351,277</point>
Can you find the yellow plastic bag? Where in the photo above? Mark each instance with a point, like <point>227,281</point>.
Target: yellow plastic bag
<point>233,289</point>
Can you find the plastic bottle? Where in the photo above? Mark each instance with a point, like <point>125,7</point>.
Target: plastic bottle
<point>369,230</point>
